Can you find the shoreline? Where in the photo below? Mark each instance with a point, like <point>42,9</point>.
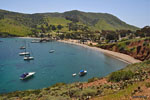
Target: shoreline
<point>28,37</point>
<point>120,56</point>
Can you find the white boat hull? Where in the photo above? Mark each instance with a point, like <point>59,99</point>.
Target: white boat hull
<point>24,53</point>
<point>28,58</point>
<point>74,74</point>
<point>51,51</point>
<point>34,41</point>
<point>29,75</point>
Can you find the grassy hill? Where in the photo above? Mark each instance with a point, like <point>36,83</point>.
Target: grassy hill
<point>94,20</point>
<point>19,24</point>
<point>16,29</point>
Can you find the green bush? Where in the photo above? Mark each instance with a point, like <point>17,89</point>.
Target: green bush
<point>147,84</point>
<point>127,43</point>
<point>133,49</point>
<point>58,84</point>
<point>145,43</point>
<point>92,79</point>
<point>120,75</point>
<point>85,92</point>
<point>91,44</point>
<point>124,40</point>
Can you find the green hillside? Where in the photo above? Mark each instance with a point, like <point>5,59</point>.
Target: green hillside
<point>20,24</point>
<point>11,26</point>
<point>93,19</point>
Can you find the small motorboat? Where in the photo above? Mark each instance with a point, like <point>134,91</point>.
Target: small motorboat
<point>24,53</point>
<point>35,41</point>
<point>28,58</point>
<point>22,47</point>
<point>82,72</point>
<point>51,51</point>
<point>74,74</point>
<point>26,75</point>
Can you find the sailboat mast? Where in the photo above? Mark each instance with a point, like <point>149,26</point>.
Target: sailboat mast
<point>25,46</point>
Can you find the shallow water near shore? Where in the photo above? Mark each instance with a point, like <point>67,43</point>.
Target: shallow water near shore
<point>50,68</point>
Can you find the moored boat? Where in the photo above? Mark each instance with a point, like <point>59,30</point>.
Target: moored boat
<point>35,41</point>
<point>24,53</point>
<point>28,58</point>
<point>74,74</point>
<point>22,47</point>
<point>51,51</point>
<point>82,72</point>
<point>26,75</point>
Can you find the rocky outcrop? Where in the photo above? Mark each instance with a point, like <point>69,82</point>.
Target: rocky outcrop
<point>139,49</point>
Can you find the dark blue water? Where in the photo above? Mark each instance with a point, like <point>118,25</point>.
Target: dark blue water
<point>50,68</point>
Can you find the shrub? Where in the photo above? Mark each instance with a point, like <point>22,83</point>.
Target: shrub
<point>26,98</point>
<point>124,40</point>
<point>36,92</point>
<point>120,75</point>
<point>85,92</point>
<point>92,79</point>
<point>127,43</point>
<point>133,49</point>
<point>91,44</point>
<point>58,84</point>
<point>145,43</point>
<point>147,84</point>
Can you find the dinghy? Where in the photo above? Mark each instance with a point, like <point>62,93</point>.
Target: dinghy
<point>51,51</point>
<point>74,74</point>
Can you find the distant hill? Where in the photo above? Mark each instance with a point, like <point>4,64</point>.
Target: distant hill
<point>20,24</point>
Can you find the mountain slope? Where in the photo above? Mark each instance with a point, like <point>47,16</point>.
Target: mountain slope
<point>92,19</point>
<point>95,21</point>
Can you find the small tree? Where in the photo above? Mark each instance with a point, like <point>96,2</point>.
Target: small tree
<point>59,27</point>
<point>53,27</point>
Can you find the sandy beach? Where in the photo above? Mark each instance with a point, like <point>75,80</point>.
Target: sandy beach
<point>123,57</point>
<point>29,37</point>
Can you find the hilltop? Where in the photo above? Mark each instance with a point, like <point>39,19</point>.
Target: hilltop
<point>19,24</point>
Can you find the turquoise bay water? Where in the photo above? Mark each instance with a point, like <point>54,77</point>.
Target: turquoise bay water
<point>50,68</point>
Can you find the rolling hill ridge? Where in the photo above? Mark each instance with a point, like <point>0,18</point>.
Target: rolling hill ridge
<point>20,24</point>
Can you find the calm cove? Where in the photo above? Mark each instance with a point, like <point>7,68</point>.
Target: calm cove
<point>50,68</point>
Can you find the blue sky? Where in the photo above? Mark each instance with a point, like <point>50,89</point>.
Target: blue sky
<point>134,12</point>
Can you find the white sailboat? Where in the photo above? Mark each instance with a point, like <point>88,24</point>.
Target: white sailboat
<point>28,57</point>
<point>25,52</point>
<point>52,50</point>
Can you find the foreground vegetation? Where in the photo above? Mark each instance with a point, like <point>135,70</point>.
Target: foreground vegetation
<point>123,84</point>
